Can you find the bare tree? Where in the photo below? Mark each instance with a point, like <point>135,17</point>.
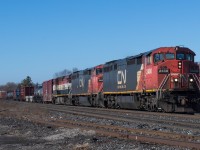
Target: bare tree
<point>64,72</point>
<point>10,86</point>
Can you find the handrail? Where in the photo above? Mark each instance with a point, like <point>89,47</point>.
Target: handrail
<point>159,90</point>
<point>101,87</point>
<point>197,80</point>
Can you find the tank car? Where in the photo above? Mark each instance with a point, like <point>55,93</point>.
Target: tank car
<point>9,95</point>
<point>38,93</point>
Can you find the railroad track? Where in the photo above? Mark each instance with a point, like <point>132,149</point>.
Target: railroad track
<point>123,117</point>
<point>173,116</point>
<point>129,134</point>
<point>138,112</point>
<point>143,114</point>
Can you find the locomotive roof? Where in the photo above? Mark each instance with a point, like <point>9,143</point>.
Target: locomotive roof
<point>149,52</point>
<point>129,57</point>
<point>88,69</point>
<point>141,54</point>
<point>136,56</point>
<point>110,62</point>
<point>63,76</point>
<point>76,72</point>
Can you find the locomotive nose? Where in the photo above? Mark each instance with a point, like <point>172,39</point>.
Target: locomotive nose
<point>189,73</point>
<point>186,75</point>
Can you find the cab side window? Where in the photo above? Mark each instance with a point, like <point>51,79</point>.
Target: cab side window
<point>148,59</point>
<point>158,57</point>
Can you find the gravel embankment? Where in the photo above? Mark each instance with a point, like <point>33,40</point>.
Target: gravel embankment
<point>19,132</point>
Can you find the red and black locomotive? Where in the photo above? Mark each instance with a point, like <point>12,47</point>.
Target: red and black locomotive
<point>163,79</point>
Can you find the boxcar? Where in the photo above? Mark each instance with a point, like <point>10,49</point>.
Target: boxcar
<point>27,93</point>
<point>47,91</point>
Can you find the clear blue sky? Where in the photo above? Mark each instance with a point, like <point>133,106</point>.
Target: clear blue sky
<point>41,37</point>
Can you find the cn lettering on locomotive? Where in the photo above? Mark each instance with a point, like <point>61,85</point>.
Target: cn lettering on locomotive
<point>121,79</point>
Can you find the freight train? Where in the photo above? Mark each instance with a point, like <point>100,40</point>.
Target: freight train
<point>164,79</point>
<point>29,93</point>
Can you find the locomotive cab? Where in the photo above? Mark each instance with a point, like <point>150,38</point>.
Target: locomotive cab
<point>179,65</point>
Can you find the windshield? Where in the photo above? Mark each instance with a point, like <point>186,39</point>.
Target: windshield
<point>158,57</point>
<point>169,56</point>
<point>180,56</point>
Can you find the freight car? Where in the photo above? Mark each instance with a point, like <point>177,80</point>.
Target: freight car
<point>17,94</point>
<point>3,94</point>
<point>164,79</point>
<point>24,93</point>
<point>47,91</point>
<point>27,93</point>
<point>9,95</point>
<point>38,93</point>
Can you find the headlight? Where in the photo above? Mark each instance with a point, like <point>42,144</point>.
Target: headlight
<point>175,80</point>
<point>191,80</point>
<point>179,65</point>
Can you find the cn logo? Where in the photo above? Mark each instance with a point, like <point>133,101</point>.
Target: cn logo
<point>81,82</point>
<point>121,77</point>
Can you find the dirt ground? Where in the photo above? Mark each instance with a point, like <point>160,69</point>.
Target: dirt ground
<point>18,131</point>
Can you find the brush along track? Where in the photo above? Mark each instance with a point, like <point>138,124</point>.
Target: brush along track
<point>123,117</point>
<point>127,133</point>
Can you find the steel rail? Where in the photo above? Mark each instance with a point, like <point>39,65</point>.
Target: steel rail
<point>127,136</point>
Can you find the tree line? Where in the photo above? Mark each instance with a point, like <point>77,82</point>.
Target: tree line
<point>11,86</point>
